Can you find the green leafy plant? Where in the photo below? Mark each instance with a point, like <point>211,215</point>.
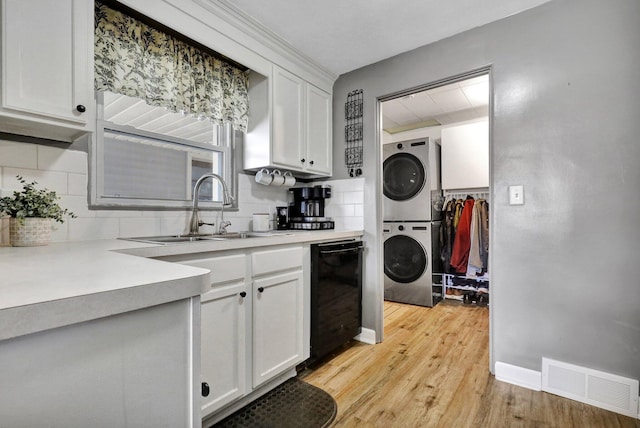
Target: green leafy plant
<point>32,202</point>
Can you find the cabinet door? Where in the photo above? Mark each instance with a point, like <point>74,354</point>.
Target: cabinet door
<point>287,120</point>
<point>318,132</point>
<point>277,324</point>
<point>465,155</point>
<point>223,345</point>
<point>46,60</point>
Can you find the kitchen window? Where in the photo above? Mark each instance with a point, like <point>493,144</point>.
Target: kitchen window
<point>167,113</point>
<point>147,156</point>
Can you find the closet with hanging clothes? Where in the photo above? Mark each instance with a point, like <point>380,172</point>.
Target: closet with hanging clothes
<point>464,243</point>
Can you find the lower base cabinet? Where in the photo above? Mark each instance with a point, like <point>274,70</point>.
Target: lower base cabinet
<point>223,346</point>
<point>133,369</point>
<point>277,325</point>
<point>253,322</point>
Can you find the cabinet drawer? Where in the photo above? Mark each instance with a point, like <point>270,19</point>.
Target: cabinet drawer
<point>224,268</point>
<point>276,260</point>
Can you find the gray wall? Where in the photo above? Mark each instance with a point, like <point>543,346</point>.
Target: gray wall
<point>566,125</point>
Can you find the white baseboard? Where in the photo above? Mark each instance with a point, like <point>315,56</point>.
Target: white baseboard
<point>532,379</point>
<point>366,336</point>
<point>519,376</point>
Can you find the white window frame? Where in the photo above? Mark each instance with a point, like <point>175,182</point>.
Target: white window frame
<point>97,197</point>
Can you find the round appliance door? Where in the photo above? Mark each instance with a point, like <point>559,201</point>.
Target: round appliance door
<point>403,176</point>
<point>405,259</point>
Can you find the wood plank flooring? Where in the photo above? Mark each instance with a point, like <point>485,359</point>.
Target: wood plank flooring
<point>432,370</point>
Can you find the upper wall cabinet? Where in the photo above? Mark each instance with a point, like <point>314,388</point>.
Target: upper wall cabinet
<point>47,68</point>
<point>289,125</point>
<point>465,155</point>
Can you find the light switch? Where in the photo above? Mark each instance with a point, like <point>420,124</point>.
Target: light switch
<point>516,195</point>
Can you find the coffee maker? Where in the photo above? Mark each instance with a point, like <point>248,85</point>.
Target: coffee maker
<point>306,208</point>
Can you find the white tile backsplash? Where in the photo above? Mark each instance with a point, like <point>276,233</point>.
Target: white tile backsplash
<point>60,231</point>
<point>77,184</point>
<point>350,223</point>
<point>76,204</point>
<point>52,180</point>
<point>346,203</point>
<point>140,226</point>
<point>177,224</point>
<point>55,159</point>
<point>81,229</point>
<point>121,213</point>
<point>353,197</point>
<point>17,156</point>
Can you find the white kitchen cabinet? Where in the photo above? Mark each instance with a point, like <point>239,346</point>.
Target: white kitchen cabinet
<point>254,324</point>
<point>465,155</point>
<point>277,325</point>
<point>278,311</point>
<point>224,331</point>
<point>133,369</point>
<point>47,68</point>
<point>319,132</point>
<point>289,125</point>
<point>224,346</point>
<point>287,144</point>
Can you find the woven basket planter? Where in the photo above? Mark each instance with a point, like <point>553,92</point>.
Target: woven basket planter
<point>29,232</point>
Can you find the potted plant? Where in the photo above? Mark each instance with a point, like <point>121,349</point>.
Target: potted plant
<point>31,211</point>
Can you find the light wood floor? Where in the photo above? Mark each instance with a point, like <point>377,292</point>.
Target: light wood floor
<point>432,370</point>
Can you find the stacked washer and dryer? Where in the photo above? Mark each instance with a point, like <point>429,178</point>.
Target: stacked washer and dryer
<point>412,210</point>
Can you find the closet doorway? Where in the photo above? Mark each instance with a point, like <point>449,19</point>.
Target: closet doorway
<point>452,117</point>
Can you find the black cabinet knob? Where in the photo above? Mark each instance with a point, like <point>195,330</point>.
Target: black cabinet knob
<point>205,389</point>
<point>303,160</point>
<point>260,289</point>
<point>243,294</point>
<point>310,162</point>
<point>80,108</point>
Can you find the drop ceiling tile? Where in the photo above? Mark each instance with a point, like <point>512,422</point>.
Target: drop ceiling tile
<point>474,80</point>
<point>398,112</point>
<point>422,105</point>
<point>388,123</point>
<point>451,100</point>
<point>477,94</point>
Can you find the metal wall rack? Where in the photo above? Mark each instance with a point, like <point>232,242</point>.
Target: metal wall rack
<point>353,132</point>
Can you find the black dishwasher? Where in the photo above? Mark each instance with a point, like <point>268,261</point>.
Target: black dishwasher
<point>336,295</point>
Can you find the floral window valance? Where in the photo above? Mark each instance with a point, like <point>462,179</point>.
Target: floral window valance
<point>134,59</point>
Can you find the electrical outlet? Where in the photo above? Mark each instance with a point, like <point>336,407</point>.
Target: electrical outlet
<point>516,195</point>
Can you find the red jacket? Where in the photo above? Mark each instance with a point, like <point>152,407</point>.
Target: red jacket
<point>462,242</point>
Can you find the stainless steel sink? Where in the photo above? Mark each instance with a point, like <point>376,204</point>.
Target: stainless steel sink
<point>167,239</point>
<point>179,239</point>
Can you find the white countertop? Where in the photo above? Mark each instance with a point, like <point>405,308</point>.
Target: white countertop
<point>65,283</point>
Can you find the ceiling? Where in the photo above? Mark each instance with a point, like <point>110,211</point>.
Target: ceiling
<point>343,35</point>
<point>456,102</point>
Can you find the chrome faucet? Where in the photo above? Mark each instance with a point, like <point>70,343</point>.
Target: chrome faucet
<point>227,199</point>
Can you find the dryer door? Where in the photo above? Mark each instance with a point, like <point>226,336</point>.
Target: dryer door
<point>404,176</point>
<point>405,259</point>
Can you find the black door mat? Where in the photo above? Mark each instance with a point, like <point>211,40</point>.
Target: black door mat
<point>294,404</point>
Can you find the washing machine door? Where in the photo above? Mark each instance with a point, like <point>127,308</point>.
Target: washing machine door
<point>403,175</point>
<point>405,259</point>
